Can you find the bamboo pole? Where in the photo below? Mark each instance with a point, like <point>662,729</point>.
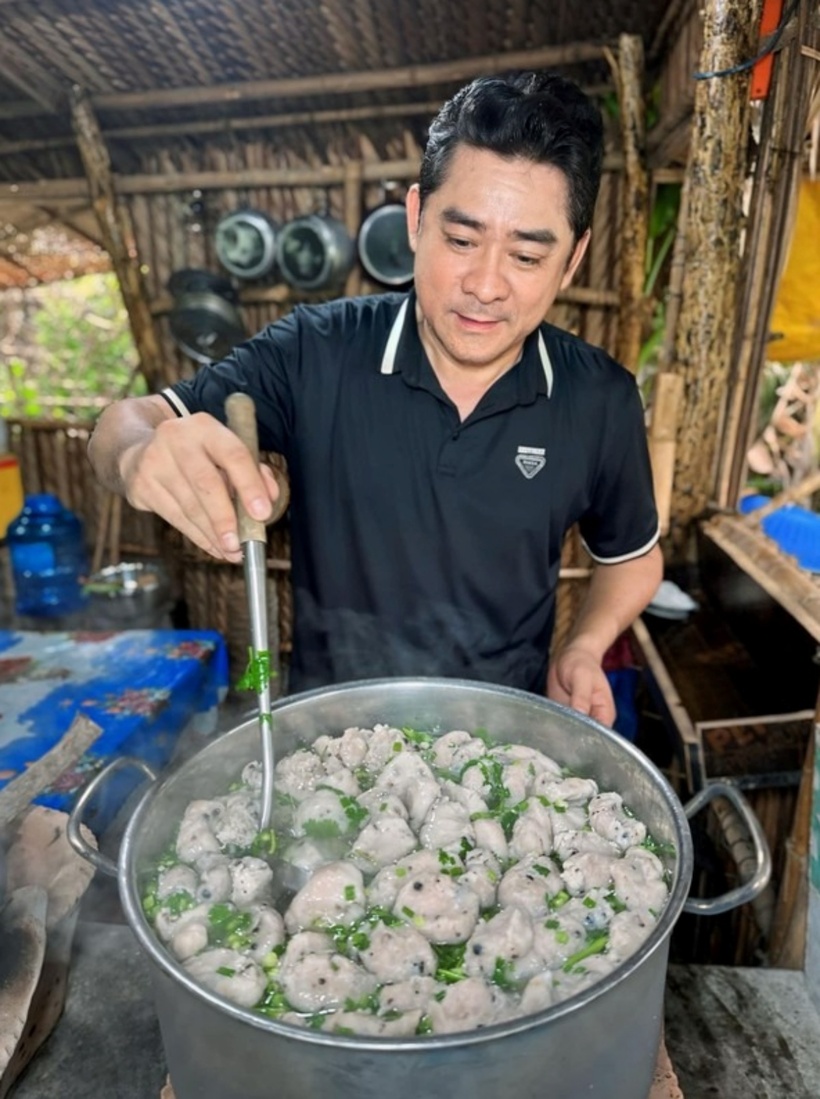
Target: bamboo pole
<point>234,125</point>
<point>283,294</point>
<point>628,71</point>
<point>117,235</point>
<point>783,129</point>
<point>343,83</point>
<point>715,171</point>
<point>42,191</point>
<point>352,219</point>
<point>666,401</point>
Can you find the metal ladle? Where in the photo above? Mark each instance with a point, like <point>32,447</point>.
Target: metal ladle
<point>241,416</point>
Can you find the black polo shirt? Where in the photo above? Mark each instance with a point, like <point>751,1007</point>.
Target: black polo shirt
<point>423,545</point>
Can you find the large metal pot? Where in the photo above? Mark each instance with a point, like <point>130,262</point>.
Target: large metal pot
<point>602,1042</point>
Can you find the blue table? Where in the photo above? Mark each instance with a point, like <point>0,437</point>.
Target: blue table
<point>142,687</point>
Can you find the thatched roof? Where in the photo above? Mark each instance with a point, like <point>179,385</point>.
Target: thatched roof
<point>182,73</point>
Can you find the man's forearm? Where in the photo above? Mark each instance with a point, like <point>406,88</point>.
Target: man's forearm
<point>617,595</point>
<point>121,427</point>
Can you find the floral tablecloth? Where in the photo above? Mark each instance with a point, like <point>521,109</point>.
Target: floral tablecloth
<point>142,687</point>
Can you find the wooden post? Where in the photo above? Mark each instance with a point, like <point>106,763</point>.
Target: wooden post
<point>353,214</point>
<point>716,171</point>
<point>117,236</point>
<point>786,119</point>
<point>666,399</point>
<point>628,71</point>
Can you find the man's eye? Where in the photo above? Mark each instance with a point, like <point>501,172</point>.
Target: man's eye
<point>459,242</point>
<point>528,261</point>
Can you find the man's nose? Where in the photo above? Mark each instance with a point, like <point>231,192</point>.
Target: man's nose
<point>485,278</point>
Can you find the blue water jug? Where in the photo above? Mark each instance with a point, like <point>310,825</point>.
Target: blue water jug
<point>48,558</point>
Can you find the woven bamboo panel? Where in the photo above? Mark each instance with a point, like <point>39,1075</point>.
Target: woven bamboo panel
<point>572,591</point>
<point>53,459</point>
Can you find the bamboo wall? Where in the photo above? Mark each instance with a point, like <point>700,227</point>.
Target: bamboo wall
<point>169,237</point>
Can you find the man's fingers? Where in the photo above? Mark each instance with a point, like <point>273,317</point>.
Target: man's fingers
<point>167,506</point>
<point>602,709</point>
<point>229,453</point>
<point>188,473</point>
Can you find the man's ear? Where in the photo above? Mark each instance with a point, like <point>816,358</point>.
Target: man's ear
<point>413,207</point>
<point>578,254</point>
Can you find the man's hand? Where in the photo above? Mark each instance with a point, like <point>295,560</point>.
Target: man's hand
<point>577,679</point>
<point>183,469</point>
<point>617,595</point>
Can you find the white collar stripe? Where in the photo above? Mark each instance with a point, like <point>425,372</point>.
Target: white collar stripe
<point>389,357</point>
<point>545,362</point>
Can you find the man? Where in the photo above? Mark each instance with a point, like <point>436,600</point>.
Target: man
<point>439,443</point>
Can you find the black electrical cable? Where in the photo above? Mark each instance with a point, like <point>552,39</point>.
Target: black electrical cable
<point>772,46</point>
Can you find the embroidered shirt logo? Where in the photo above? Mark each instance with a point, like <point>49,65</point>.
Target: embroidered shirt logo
<point>530,460</point>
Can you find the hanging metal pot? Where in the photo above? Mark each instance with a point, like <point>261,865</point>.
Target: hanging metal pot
<point>192,280</point>
<point>205,321</point>
<point>245,243</point>
<point>314,252</point>
<point>384,245</point>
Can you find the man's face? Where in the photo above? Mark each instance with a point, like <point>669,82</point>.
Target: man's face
<point>493,247</point>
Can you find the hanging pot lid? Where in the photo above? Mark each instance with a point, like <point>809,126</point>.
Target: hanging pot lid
<point>314,252</point>
<point>245,242</point>
<point>205,326</point>
<point>195,279</point>
<point>384,246</point>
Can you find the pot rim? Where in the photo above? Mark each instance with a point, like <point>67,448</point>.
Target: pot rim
<point>129,896</point>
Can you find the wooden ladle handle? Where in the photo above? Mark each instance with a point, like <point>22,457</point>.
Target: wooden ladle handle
<point>240,413</point>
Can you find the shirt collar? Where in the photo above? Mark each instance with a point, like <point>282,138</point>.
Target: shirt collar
<point>404,354</point>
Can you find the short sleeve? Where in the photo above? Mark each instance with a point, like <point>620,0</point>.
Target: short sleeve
<point>622,520</point>
<point>263,367</point>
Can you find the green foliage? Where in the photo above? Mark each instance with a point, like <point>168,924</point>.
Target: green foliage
<point>663,222</point>
<point>76,354</point>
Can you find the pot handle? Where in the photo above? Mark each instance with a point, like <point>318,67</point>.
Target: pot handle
<point>75,818</point>
<point>742,894</point>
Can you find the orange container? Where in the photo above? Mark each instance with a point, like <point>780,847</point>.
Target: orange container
<point>11,491</point>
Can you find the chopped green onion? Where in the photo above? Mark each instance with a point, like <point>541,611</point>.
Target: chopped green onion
<point>595,946</point>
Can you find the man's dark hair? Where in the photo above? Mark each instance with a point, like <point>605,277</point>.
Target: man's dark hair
<point>539,116</point>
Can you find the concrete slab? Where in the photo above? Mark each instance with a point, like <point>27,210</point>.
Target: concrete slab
<point>742,1033</point>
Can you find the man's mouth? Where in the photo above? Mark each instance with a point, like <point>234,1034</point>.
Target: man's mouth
<point>478,323</point>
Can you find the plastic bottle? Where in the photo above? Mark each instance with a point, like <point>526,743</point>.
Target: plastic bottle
<point>11,484</point>
<point>48,558</point>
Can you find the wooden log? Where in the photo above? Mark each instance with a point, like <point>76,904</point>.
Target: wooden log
<point>283,294</point>
<point>16,796</point>
<point>667,395</point>
<point>116,233</point>
<point>23,945</point>
<point>343,83</point>
<point>40,859</point>
<point>787,946</point>
<point>716,170</point>
<point>38,192</point>
<point>628,71</point>
<point>198,127</point>
<point>805,488</point>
